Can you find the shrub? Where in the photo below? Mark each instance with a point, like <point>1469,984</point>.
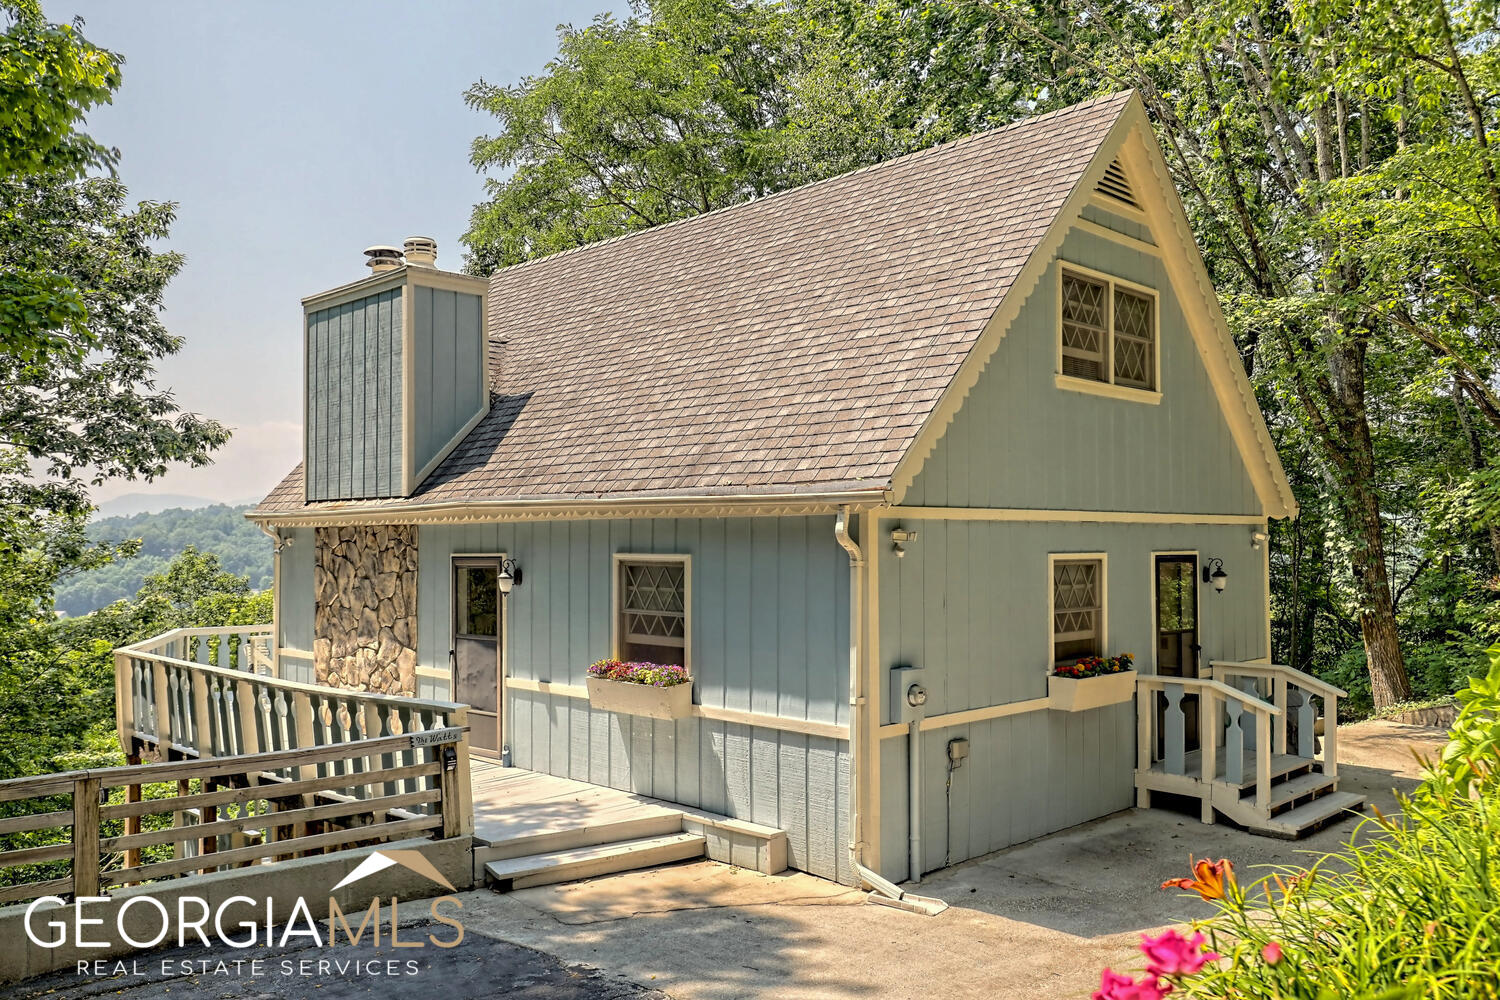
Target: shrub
<point>1412,912</point>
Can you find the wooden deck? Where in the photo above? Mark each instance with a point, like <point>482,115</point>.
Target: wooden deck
<point>532,828</point>
<point>511,803</point>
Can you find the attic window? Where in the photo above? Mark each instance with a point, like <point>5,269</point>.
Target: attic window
<point>1107,335</point>
<point>1116,186</point>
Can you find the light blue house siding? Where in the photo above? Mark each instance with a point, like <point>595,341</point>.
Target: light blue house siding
<point>1019,441</point>
<point>969,601</point>
<point>354,423</point>
<point>448,367</point>
<point>770,634</point>
<point>294,623</point>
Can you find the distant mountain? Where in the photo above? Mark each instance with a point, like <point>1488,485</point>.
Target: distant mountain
<point>130,504</point>
<point>242,548</point>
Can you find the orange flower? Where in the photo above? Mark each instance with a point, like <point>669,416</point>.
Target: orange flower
<point>1211,879</point>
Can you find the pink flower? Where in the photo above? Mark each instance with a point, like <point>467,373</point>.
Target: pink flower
<point>1271,953</point>
<point>1113,986</point>
<point>1171,954</point>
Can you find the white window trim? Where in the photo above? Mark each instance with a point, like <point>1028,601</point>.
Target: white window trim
<point>1052,560</point>
<point>687,599</point>
<point>1109,389</point>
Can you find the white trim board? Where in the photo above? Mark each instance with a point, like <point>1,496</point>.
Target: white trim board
<point>1032,514</point>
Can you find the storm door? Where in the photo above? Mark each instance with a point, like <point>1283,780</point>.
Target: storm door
<point>1177,644</point>
<point>476,647</point>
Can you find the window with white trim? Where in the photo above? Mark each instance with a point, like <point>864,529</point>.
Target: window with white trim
<point>1108,331</point>
<point>1077,609</point>
<point>651,612</point>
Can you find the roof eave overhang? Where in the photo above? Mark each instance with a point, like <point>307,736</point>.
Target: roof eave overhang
<point>480,511</point>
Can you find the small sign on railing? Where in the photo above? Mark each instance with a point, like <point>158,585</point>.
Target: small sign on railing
<point>436,737</point>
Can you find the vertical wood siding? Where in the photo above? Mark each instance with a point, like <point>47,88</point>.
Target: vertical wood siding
<point>294,601</point>
<point>448,367</point>
<point>969,603</point>
<point>1019,441</point>
<point>354,399</point>
<point>770,607</point>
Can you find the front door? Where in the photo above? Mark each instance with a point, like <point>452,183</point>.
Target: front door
<point>1177,645</point>
<point>476,647</point>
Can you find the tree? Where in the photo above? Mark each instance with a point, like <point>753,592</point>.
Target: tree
<point>685,107</point>
<point>50,76</point>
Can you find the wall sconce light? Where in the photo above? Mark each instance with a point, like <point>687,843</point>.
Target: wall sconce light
<point>1214,573</point>
<point>510,576</point>
<point>1258,538</point>
<point>898,537</point>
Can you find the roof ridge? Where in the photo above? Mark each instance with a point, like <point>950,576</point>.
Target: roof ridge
<point>951,144</point>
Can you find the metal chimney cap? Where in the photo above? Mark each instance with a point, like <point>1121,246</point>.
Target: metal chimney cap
<point>383,257</point>
<point>421,250</point>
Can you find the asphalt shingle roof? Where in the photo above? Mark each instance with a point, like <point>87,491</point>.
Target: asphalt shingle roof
<point>796,343</point>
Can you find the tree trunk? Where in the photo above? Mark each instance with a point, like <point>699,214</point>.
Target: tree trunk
<point>1377,611</point>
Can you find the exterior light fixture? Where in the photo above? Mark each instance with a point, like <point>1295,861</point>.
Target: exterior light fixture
<point>1214,573</point>
<point>899,536</point>
<point>510,576</point>
<point>1258,538</point>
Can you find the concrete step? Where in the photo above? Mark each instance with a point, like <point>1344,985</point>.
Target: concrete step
<point>566,832</point>
<point>587,862</point>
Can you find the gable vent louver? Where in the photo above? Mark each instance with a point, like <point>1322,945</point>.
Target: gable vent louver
<point>1116,186</point>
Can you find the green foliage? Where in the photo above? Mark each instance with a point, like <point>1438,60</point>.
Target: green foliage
<point>50,76</point>
<point>240,546</point>
<point>1410,907</point>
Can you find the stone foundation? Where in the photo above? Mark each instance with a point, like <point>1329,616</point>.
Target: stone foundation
<point>365,618</point>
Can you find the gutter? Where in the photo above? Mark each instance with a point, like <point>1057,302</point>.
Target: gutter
<point>410,513</point>
<point>883,891</point>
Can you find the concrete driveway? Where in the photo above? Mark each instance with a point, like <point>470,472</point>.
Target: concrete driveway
<point>1038,920</point>
<point>1035,921</point>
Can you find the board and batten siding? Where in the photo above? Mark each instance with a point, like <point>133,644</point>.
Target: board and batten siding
<point>1020,441</point>
<point>770,623</point>
<point>294,602</point>
<point>354,421</point>
<point>448,368</point>
<point>969,602</point>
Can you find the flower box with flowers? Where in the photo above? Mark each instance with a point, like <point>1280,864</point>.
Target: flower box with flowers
<point>1092,682</point>
<point>655,690</point>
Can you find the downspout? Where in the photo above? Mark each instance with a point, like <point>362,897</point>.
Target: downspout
<point>882,890</point>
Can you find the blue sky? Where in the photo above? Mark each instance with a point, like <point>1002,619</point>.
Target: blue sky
<point>293,135</point>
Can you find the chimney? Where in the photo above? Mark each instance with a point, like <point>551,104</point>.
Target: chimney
<point>382,259</point>
<point>421,251</point>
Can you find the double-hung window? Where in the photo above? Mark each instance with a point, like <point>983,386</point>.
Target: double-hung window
<point>1108,333</point>
<point>1077,607</point>
<point>651,608</point>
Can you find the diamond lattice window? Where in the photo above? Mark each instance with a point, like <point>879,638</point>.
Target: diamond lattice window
<point>1077,609</point>
<point>1108,332</point>
<point>1135,340</point>
<point>653,611</point>
<point>1085,327</point>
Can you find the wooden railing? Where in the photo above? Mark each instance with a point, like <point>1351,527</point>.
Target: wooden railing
<point>1302,699</point>
<point>228,812</point>
<point>208,693</point>
<point>1246,721</point>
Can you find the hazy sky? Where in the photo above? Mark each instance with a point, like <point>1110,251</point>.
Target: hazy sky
<point>293,135</point>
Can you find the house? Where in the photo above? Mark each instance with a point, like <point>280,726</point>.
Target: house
<point>868,458</point>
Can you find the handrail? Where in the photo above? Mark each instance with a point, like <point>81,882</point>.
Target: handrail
<point>1292,674</point>
<point>1209,684</point>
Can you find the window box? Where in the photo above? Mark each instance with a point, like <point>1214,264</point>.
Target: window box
<point>1079,694</point>
<point>672,702</point>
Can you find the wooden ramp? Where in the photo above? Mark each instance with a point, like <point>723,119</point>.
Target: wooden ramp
<point>537,829</point>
